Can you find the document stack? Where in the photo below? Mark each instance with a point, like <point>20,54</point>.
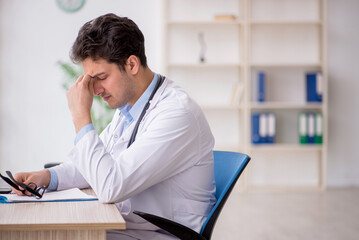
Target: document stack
<point>310,128</point>
<point>263,128</point>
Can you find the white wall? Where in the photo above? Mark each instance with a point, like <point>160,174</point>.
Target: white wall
<point>343,72</point>
<point>36,127</point>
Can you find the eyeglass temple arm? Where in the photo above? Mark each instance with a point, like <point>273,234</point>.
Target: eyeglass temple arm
<point>11,183</point>
<point>23,185</point>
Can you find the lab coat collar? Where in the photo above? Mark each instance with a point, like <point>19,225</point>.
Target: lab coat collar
<point>155,100</point>
<point>158,95</point>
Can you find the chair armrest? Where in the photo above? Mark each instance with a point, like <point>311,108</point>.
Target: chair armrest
<point>172,227</point>
<point>51,164</point>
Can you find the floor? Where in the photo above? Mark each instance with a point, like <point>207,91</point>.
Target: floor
<point>307,214</point>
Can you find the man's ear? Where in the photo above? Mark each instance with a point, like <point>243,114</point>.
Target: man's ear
<point>133,65</point>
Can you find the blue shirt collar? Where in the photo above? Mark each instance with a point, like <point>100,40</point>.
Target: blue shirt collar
<point>133,113</point>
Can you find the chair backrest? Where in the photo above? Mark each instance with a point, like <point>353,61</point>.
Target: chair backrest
<point>228,166</point>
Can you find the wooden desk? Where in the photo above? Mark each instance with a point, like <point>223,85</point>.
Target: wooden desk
<point>58,220</point>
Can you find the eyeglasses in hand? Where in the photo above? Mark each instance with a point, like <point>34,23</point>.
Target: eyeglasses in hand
<point>32,188</point>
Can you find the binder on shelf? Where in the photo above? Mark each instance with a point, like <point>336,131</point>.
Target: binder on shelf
<point>318,136</point>
<point>261,87</point>
<point>311,127</point>
<point>314,87</point>
<point>271,128</point>
<point>303,128</point>
<point>263,128</point>
<point>255,128</point>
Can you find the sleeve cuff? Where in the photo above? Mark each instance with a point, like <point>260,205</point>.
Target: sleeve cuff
<point>84,130</point>
<point>54,182</point>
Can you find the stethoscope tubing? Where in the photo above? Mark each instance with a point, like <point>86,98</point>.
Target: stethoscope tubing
<point>143,113</point>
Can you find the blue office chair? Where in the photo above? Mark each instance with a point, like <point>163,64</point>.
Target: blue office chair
<point>228,166</point>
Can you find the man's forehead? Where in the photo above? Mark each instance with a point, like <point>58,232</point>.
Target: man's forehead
<point>95,68</point>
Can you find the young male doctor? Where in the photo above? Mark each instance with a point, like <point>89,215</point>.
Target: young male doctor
<point>156,154</point>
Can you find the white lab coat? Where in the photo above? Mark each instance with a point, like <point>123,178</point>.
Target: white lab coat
<point>167,171</point>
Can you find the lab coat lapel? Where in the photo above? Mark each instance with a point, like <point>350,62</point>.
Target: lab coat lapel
<point>115,121</point>
<point>126,134</point>
<point>155,100</point>
<point>158,95</point>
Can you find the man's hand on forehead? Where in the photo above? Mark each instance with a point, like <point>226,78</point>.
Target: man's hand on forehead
<point>80,98</point>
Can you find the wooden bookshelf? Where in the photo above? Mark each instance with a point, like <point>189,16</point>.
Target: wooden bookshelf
<point>283,38</point>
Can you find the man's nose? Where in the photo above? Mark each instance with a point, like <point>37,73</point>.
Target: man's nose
<point>97,88</point>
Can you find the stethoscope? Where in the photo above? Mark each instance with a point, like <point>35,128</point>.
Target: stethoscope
<point>144,110</point>
<point>134,132</point>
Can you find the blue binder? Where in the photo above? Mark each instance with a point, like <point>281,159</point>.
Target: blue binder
<point>256,139</point>
<point>314,87</point>
<point>263,128</point>
<point>261,95</point>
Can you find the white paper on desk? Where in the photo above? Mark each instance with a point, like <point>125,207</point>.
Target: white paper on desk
<point>73,194</point>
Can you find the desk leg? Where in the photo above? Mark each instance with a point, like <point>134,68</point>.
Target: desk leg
<point>54,235</point>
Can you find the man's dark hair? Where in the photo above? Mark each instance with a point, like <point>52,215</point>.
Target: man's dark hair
<point>109,37</point>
